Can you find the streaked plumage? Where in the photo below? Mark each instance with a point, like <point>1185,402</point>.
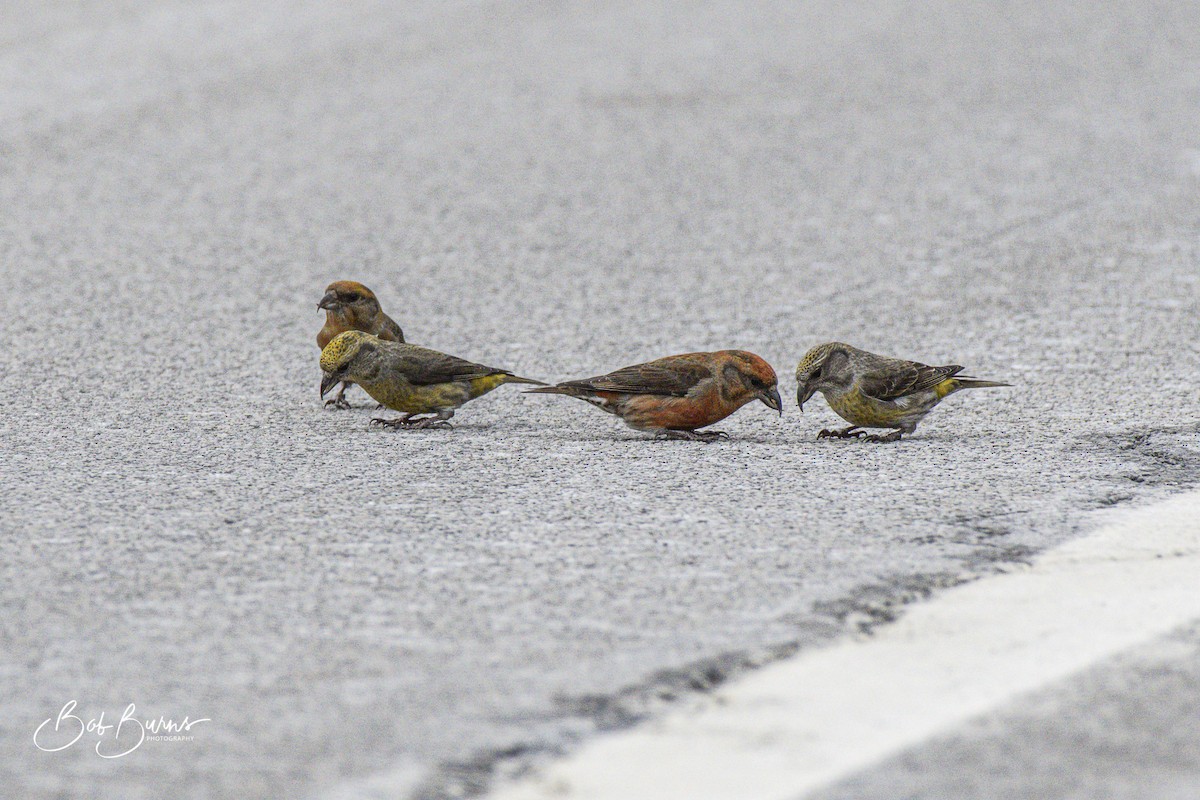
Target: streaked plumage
<point>350,306</point>
<point>872,391</point>
<point>409,379</point>
<point>678,394</point>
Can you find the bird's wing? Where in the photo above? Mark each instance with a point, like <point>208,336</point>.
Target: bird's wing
<point>389,330</point>
<point>424,367</point>
<point>674,376</point>
<point>898,378</point>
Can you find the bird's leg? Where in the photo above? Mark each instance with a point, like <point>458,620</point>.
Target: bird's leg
<point>894,436</point>
<point>340,401</point>
<point>852,432</point>
<point>398,422</point>
<point>696,436</point>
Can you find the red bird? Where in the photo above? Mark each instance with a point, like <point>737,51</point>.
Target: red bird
<point>350,306</point>
<point>676,395</point>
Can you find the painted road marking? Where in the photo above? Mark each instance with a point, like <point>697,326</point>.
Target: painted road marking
<point>803,723</point>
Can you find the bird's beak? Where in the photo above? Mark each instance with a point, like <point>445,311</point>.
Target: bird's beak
<point>805,391</point>
<point>328,302</point>
<point>328,381</point>
<point>771,399</point>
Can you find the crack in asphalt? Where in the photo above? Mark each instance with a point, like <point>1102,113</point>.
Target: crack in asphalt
<point>1164,459</point>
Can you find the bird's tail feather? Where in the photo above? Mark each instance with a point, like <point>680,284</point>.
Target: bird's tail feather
<point>550,390</point>
<point>508,378</point>
<point>976,383</point>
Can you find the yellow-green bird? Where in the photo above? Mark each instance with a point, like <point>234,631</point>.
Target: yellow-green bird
<point>409,379</point>
<point>871,391</point>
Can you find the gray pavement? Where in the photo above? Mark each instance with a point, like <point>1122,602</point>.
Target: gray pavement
<point>560,190</point>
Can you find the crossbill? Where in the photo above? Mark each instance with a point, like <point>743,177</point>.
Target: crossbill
<point>674,396</point>
<point>409,379</point>
<point>871,391</point>
<point>350,306</point>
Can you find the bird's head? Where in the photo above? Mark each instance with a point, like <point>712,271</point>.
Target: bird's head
<point>826,366</point>
<point>350,299</point>
<point>756,378</point>
<point>343,358</point>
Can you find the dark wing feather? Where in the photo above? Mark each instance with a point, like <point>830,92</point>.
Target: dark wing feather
<point>425,367</point>
<point>667,376</point>
<point>389,330</point>
<point>900,378</point>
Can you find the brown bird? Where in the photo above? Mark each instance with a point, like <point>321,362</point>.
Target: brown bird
<point>674,396</point>
<point>350,306</point>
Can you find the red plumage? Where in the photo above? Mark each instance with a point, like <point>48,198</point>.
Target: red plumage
<point>679,394</point>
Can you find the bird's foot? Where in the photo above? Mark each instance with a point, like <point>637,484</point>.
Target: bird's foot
<point>394,424</point>
<point>852,432</point>
<point>894,436</point>
<point>410,424</point>
<point>697,436</point>
<point>428,423</point>
<point>340,402</point>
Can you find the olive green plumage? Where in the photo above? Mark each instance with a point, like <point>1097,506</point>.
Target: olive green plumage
<point>873,391</point>
<point>408,378</point>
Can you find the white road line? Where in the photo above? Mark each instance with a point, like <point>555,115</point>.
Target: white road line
<point>803,723</point>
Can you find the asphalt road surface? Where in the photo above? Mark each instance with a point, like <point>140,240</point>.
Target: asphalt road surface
<point>1124,729</point>
<point>560,190</point>
<point>864,710</point>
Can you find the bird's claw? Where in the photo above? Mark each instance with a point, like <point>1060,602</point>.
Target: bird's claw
<point>698,436</point>
<point>411,424</point>
<point>841,433</point>
<point>430,422</point>
<point>340,403</point>
<point>894,436</point>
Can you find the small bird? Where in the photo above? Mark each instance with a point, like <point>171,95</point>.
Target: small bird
<point>350,306</point>
<point>674,396</point>
<point>871,391</point>
<point>409,379</point>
